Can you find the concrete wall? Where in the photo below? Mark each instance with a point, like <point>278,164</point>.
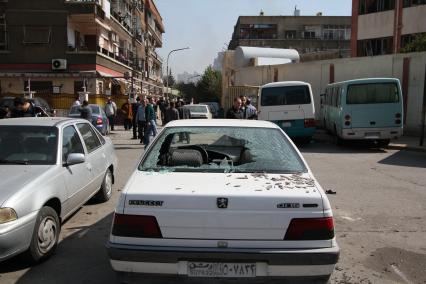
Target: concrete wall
<point>418,25</point>
<point>376,25</point>
<point>318,75</point>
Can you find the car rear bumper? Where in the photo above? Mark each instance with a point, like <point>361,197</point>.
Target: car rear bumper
<point>15,237</point>
<point>269,262</point>
<point>371,133</point>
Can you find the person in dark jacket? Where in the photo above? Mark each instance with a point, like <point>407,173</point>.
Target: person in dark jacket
<point>235,112</point>
<point>135,107</point>
<point>171,113</point>
<point>86,111</point>
<point>23,108</point>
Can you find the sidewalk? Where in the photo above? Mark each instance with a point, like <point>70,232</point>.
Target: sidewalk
<point>409,143</point>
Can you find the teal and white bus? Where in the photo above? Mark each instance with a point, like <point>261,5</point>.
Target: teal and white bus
<point>363,109</point>
<point>290,105</point>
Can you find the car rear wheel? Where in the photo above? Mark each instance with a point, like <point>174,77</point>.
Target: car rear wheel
<point>45,236</point>
<point>105,192</point>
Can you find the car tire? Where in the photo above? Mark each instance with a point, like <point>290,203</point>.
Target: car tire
<point>105,192</point>
<point>45,236</point>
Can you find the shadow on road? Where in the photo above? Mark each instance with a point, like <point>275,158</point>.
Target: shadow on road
<point>406,159</point>
<point>349,147</point>
<point>79,258</point>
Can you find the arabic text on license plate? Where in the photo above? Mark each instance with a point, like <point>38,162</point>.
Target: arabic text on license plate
<point>214,269</point>
<point>286,124</point>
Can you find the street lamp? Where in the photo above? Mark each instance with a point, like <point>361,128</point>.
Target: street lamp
<point>167,67</point>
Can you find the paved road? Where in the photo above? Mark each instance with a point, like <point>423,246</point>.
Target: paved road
<point>380,210</point>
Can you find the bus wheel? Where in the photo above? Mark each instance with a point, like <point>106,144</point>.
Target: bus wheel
<point>383,143</point>
<point>337,140</point>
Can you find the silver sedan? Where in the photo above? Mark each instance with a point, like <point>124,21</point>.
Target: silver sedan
<point>49,167</point>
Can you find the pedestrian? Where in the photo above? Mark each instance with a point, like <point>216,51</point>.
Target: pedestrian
<point>235,111</point>
<point>23,108</point>
<point>162,106</point>
<point>135,107</point>
<point>243,105</point>
<point>141,120</point>
<point>151,125</point>
<point>111,112</point>
<point>126,109</point>
<point>86,111</point>
<point>171,113</point>
<point>77,101</point>
<point>184,112</point>
<point>250,110</point>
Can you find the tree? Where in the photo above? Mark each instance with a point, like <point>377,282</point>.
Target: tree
<point>171,79</point>
<point>188,90</point>
<point>209,88</point>
<point>417,45</point>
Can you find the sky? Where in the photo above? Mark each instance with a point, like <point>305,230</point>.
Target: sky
<point>206,26</point>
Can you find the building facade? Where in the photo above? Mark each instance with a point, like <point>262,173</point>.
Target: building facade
<point>306,34</point>
<point>68,46</point>
<point>385,26</point>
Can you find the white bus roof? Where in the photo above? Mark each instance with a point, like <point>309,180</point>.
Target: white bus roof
<point>365,80</point>
<point>286,83</point>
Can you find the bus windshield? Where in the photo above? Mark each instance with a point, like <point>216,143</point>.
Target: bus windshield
<point>377,93</point>
<point>286,95</point>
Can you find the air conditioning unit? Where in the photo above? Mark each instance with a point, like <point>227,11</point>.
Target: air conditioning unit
<point>59,64</point>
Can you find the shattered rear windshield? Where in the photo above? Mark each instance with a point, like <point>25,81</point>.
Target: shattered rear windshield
<point>223,149</point>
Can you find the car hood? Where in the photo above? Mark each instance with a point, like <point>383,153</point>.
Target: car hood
<point>14,178</point>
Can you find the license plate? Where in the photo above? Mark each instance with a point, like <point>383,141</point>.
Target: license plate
<point>372,134</point>
<point>215,269</point>
<point>286,124</point>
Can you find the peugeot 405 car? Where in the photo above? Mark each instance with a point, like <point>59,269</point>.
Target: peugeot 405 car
<point>238,201</point>
<point>49,167</point>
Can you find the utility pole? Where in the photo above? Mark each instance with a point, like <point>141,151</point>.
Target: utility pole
<point>167,67</point>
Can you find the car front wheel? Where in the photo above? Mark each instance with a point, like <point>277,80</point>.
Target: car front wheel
<point>45,236</point>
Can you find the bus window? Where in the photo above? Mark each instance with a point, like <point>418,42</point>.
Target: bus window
<point>377,93</point>
<point>286,95</point>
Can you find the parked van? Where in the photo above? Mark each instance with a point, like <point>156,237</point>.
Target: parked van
<point>291,106</point>
<point>364,109</point>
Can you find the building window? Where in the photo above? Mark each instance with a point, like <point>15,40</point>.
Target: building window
<point>335,32</point>
<point>377,46</point>
<point>290,34</point>
<point>374,6</point>
<point>37,35</point>
<point>3,32</point>
<point>409,3</point>
<point>39,87</point>
<point>78,87</point>
<point>308,35</point>
<point>407,39</point>
<point>258,31</point>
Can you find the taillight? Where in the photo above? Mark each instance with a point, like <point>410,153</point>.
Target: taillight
<point>136,226</point>
<point>347,120</point>
<point>309,122</point>
<point>398,118</point>
<point>305,229</point>
<point>99,121</point>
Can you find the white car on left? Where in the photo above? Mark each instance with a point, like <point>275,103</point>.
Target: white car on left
<point>49,168</point>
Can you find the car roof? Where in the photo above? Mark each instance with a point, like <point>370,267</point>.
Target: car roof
<point>286,83</point>
<point>38,121</point>
<point>221,123</point>
<point>196,105</point>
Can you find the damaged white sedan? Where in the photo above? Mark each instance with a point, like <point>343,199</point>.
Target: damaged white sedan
<point>223,199</point>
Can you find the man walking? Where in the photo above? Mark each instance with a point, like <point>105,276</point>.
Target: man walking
<point>151,126</point>
<point>135,107</point>
<point>250,111</point>
<point>111,112</point>
<point>141,119</point>
<point>126,109</point>
<point>23,108</point>
<point>171,113</point>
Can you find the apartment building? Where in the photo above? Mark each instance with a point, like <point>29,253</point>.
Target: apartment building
<point>385,26</point>
<point>306,34</point>
<point>68,46</point>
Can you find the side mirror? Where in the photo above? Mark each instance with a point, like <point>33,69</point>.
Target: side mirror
<point>75,158</point>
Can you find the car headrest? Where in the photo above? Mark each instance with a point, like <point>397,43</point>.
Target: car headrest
<point>186,157</point>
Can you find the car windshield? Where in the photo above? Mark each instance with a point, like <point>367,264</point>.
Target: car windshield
<point>76,109</point>
<point>223,149</point>
<point>28,145</point>
<point>201,109</point>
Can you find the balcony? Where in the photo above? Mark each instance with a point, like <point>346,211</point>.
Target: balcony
<point>98,2</point>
